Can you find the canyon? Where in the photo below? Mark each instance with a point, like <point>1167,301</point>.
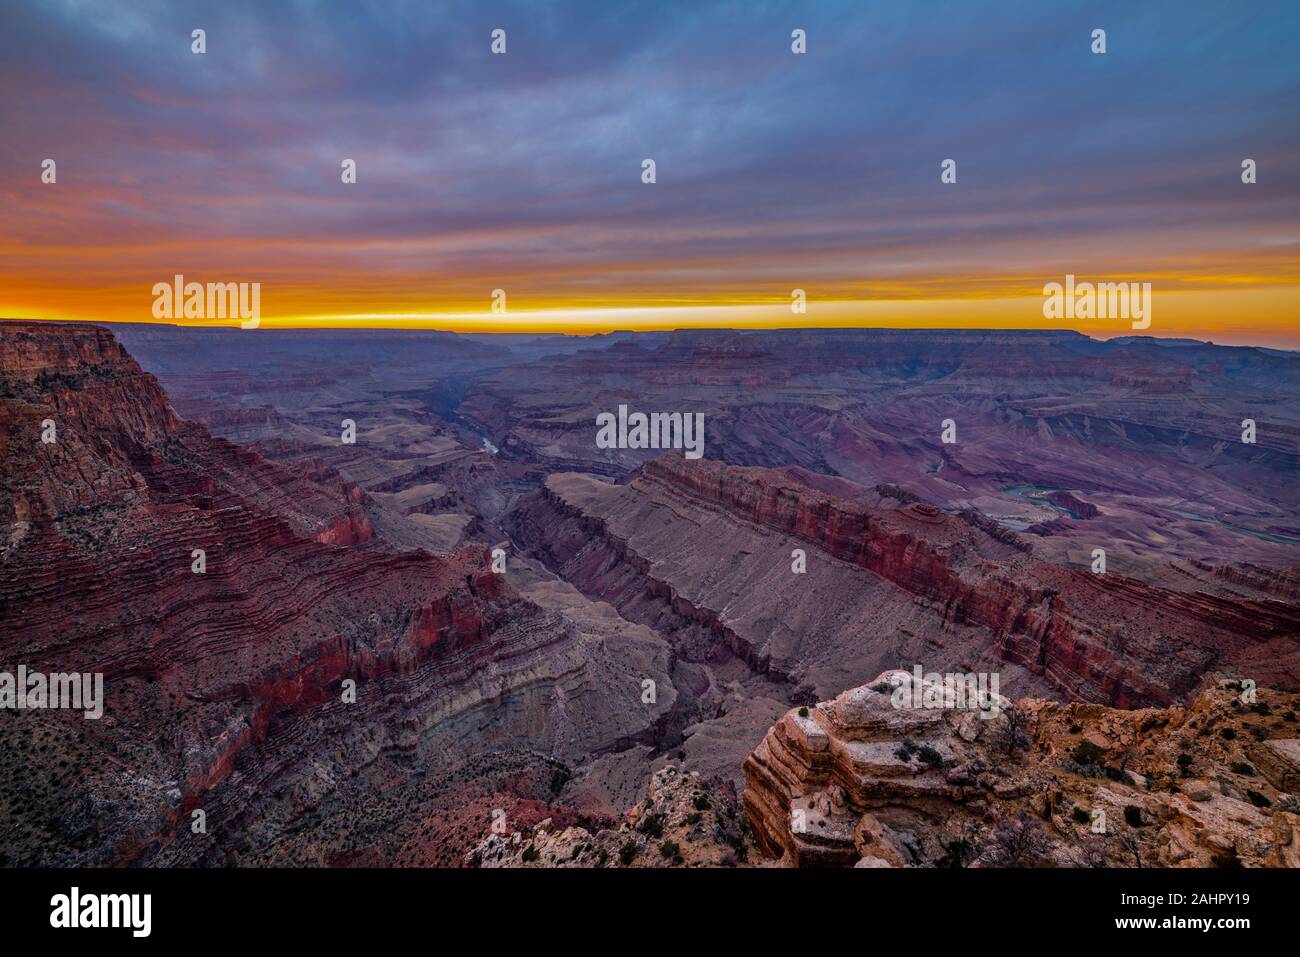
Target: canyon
<point>677,640</point>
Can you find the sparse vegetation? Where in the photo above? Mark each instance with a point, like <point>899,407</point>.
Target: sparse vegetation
<point>1015,736</point>
<point>1087,753</point>
<point>627,853</point>
<point>1015,843</point>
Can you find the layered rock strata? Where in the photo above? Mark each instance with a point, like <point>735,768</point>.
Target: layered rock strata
<point>859,781</point>
<point>263,661</point>
<point>707,551</point>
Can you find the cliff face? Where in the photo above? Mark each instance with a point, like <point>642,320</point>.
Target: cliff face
<point>1095,637</point>
<point>713,543</point>
<point>858,781</point>
<point>225,688</point>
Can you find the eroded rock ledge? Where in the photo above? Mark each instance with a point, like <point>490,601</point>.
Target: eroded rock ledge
<point>856,781</point>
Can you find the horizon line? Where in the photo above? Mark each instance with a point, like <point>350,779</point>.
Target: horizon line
<point>587,332</point>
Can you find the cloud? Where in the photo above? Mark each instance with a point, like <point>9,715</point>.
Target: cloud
<point>526,167</point>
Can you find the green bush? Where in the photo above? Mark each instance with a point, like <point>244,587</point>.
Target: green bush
<point>1085,752</point>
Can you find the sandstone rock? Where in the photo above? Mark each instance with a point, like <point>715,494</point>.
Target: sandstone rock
<point>908,813</point>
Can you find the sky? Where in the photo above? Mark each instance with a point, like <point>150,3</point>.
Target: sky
<point>774,171</point>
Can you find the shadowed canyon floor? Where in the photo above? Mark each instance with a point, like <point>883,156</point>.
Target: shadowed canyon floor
<point>628,690</point>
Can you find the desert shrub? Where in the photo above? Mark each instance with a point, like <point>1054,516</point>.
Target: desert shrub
<point>627,853</point>
<point>957,854</point>
<point>1085,752</point>
<point>1015,843</point>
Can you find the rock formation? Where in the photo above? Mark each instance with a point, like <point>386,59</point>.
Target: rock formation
<point>703,551</point>
<point>684,821</point>
<point>860,781</point>
<point>226,684</point>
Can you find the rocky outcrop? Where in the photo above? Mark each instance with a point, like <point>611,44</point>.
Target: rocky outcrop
<point>684,821</point>
<point>871,779</point>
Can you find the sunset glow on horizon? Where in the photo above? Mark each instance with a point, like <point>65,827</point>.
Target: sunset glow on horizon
<point>775,171</point>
